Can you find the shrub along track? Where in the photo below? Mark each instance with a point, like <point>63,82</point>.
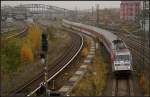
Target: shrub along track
<point>75,44</point>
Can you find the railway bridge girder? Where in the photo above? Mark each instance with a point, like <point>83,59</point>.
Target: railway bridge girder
<point>28,10</point>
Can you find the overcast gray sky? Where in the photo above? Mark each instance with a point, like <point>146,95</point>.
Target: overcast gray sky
<point>68,4</point>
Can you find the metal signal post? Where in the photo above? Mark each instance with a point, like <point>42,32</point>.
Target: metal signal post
<point>44,59</point>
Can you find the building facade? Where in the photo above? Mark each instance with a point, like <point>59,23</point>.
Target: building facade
<point>129,10</point>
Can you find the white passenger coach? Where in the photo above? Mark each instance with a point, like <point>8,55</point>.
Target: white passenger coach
<point>121,57</point>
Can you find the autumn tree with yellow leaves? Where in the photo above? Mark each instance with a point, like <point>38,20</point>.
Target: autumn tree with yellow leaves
<point>84,52</point>
<point>34,33</point>
<point>26,53</point>
<point>31,43</point>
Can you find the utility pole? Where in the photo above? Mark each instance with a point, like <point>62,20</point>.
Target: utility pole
<point>149,57</point>
<point>145,71</point>
<point>76,13</point>
<point>147,35</point>
<point>97,15</point>
<point>142,25</point>
<point>92,11</point>
<point>141,31</point>
<point>64,13</point>
<point>88,16</point>
<point>92,15</point>
<point>143,34</point>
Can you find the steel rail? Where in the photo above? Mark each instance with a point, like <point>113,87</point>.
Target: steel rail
<point>15,35</point>
<point>62,59</point>
<point>119,90</point>
<point>61,68</point>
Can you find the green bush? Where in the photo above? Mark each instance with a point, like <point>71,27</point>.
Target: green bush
<point>10,58</point>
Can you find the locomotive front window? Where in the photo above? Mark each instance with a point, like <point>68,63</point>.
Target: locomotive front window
<point>122,58</point>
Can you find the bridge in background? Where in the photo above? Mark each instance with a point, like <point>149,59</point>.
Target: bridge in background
<point>34,10</point>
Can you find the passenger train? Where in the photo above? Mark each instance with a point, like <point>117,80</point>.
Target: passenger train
<point>121,57</point>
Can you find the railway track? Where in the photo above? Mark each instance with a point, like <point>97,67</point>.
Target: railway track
<point>134,43</point>
<point>137,43</point>
<point>58,66</point>
<point>18,34</point>
<point>122,87</point>
<point>135,46</point>
<point>24,28</point>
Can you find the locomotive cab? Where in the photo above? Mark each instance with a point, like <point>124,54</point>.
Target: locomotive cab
<point>122,63</point>
<point>121,57</point>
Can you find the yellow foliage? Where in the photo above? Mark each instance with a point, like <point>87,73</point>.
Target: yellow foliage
<point>84,52</point>
<point>34,33</point>
<point>26,53</point>
<point>31,43</point>
<point>144,83</point>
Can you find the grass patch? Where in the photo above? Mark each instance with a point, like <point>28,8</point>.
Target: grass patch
<point>10,56</point>
<point>93,82</point>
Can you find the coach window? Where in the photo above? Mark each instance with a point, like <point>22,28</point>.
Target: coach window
<point>126,57</point>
